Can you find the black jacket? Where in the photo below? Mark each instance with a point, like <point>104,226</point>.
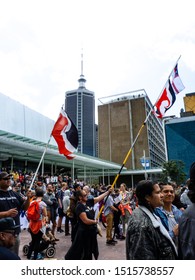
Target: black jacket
<point>10,199</point>
<point>186,238</point>
<point>147,238</point>
<point>6,254</point>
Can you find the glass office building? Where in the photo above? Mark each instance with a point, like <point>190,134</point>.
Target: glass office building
<point>180,140</point>
<point>80,107</point>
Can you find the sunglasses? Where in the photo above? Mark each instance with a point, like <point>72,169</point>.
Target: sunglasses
<point>6,179</point>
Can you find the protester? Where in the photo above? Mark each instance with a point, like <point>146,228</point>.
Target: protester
<point>184,196</point>
<point>117,215</point>
<point>147,238</point>
<point>125,207</point>
<point>85,245</point>
<point>8,238</point>
<point>11,203</point>
<point>71,211</point>
<point>36,226</point>
<point>52,205</point>
<point>66,205</point>
<point>61,215</point>
<point>171,211</point>
<point>87,189</point>
<point>109,214</point>
<point>186,238</point>
<point>177,200</point>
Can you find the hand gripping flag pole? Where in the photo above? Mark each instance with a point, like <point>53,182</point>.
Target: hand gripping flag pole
<point>135,140</point>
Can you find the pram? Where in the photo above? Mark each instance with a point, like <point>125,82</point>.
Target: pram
<point>47,246</point>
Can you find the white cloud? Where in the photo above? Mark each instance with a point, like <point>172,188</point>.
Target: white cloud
<point>128,45</point>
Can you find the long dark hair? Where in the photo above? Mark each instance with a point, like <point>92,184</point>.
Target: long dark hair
<point>144,188</point>
<point>78,194</point>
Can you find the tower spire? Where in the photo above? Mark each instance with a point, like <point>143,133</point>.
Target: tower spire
<point>82,61</point>
<point>81,80</point>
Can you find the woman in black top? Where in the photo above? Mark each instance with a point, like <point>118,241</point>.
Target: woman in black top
<point>85,244</point>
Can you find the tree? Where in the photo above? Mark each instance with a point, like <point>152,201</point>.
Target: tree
<point>173,170</point>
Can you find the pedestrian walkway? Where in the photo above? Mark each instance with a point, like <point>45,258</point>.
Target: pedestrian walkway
<point>106,252</point>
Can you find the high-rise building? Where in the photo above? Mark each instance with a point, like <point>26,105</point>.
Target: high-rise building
<point>180,139</point>
<point>120,118</point>
<point>80,107</point>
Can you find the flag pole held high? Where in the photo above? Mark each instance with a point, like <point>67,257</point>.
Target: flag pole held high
<point>173,81</point>
<point>165,101</point>
<point>66,135</point>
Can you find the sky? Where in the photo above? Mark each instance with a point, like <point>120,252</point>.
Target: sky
<point>127,45</point>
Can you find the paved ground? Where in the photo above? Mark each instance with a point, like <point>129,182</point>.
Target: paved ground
<point>116,252</point>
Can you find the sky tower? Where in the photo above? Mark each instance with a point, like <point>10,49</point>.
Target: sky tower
<point>80,106</point>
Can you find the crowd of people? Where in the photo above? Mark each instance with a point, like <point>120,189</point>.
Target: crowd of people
<point>154,219</point>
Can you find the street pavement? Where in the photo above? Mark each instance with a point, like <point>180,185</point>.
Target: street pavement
<point>106,252</point>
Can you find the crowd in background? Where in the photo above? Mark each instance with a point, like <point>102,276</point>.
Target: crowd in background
<point>161,205</point>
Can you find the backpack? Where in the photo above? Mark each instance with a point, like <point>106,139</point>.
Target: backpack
<point>33,212</point>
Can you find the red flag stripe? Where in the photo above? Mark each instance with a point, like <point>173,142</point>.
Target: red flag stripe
<point>61,127</point>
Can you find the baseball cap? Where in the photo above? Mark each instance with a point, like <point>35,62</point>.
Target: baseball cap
<point>8,224</point>
<point>4,175</point>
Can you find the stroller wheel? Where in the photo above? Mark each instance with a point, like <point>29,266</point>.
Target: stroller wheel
<point>50,252</point>
<point>25,250</point>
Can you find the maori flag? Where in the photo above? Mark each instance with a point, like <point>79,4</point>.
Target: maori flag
<point>166,100</point>
<point>66,135</point>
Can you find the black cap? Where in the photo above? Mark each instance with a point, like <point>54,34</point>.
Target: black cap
<point>4,175</point>
<point>8,224</point>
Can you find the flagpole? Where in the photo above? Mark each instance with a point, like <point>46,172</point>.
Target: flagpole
<point>125,160</point>
<point>135,140</point>
<point>34,177</point>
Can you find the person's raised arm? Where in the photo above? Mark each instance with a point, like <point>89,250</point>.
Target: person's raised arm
<point>103,195</point>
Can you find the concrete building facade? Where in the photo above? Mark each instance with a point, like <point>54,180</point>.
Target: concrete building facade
<point>120,118</point>
<point>189,102</point>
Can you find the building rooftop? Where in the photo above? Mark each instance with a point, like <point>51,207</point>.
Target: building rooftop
<point>123,96</point>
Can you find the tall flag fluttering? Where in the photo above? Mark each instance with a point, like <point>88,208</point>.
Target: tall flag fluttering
<point>166,100</point>
<point>66,135</point>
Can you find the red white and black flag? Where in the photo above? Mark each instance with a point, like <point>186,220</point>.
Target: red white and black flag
<point>176,81</point>
<point>166,100</point>
<point>66,135</point>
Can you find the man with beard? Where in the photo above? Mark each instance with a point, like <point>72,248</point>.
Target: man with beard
<point>11,203</point>
<point>8,238</point>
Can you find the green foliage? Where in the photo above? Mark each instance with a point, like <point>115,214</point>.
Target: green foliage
<point>173,170</point>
